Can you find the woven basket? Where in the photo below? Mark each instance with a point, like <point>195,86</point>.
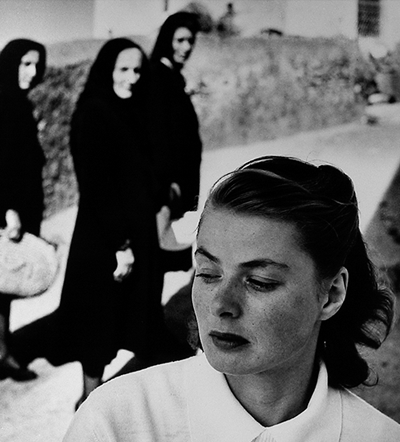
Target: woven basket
<point>27,267</point>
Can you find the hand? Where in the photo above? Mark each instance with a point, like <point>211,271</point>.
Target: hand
<point>175,191</point>
<point>13,228</point>
<point>175,201</point>
<point>125,260</point>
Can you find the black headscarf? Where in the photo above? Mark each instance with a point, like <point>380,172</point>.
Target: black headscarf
<point>163,44</point>
<point>10,59</point>
<point>100,80</point>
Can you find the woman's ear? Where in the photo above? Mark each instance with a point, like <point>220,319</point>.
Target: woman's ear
<point>335,294</point>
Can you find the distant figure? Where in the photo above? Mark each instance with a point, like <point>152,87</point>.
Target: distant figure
<point>111,291</point>
<point>176,157</point>
<point>22,66</point>
<point>284,294</point>
<point>111,298</point>
<point>226,25</point>
<point>173,122</point>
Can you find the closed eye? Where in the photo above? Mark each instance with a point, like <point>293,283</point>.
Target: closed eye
<point>207,277</point>
<point>261,285</point>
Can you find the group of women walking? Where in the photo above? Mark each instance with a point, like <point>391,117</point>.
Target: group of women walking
<point>136,149</point>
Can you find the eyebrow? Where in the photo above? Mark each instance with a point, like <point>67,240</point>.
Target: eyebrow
<point>262,262</point>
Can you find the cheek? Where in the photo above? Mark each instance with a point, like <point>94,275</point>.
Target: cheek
<point>201,303</point>
<point>196,298</point>
<point>288,322</point>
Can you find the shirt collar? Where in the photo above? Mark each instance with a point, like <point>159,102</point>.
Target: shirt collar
<point>215,415</point>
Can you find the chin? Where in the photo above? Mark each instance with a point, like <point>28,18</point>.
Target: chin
<point>230,363</point>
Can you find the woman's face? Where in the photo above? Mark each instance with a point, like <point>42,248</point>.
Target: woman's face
<point>27,69</point>
<point>182,45</point>
<point>256,295</point>
<point>127,71</point>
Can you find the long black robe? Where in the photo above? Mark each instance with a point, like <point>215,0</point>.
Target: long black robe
<point>174,130</point>
<point>98,314</point>
<point>21,156</point>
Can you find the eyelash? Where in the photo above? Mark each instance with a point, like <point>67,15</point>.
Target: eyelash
<point>136,71</point>
<point>209,278</point>
<point>262,286</point>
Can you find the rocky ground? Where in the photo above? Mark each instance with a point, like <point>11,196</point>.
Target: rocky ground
<point>40,411</point>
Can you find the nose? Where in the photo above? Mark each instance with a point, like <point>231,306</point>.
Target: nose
<point>186,46</point>
<point>133,76</point>
<point>32,70</point>
<point>226,301</point>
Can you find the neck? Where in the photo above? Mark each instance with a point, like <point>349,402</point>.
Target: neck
<point>272,399</point>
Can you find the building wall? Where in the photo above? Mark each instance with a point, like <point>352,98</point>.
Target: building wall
<point>129,17</point>
<point>322,18</point>
<point>52,21</point>
<point>252,16</point>
<point>46,21</point>
<point>390,23</point>
<point>123,17</point>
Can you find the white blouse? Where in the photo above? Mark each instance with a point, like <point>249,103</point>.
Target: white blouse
<point>190,401</point>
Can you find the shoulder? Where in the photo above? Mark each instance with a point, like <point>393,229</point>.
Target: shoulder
<point>145,405</point>
<point>158,69</point>
<point>361,421</point>
<point>166,376</point>
<point>153,386</point>
<point>95,104</point>
<point>162,76</point>
<point>11,103</point>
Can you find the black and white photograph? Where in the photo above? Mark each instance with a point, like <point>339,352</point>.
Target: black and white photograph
<point>199,220</point>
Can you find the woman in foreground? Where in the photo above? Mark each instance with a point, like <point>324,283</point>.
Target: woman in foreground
<point>283,293</point>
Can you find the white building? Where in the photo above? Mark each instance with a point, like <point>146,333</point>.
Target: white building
<point>51,21</point>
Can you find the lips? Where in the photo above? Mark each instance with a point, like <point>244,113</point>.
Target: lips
<point>228,341</point>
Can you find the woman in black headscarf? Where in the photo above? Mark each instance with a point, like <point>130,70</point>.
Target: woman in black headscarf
<point>22,66</point>
<point>111,297</point>
<point>173,121</point>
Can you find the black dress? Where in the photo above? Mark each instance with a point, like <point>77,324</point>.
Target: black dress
<point>99,315</point>
<point>21,156</point>
<point>174,131</point>
<point>21,162</point>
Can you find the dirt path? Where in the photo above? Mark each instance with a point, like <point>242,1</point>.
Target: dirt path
<point>41,410</point>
